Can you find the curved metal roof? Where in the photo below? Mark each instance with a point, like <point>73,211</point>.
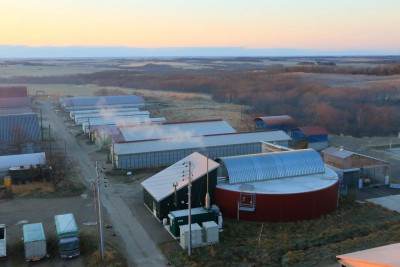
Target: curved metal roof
<point>258,167</point>
<point>277,120</point>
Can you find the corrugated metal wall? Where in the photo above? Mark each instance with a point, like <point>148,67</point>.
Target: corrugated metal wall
<point>163,158</point>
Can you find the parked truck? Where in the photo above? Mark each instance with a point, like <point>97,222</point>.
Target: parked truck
<point>67,235</point>
<point>34,241</point>
<point>3,241</point>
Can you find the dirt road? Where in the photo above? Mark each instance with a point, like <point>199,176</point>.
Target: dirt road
<point>140,248</point>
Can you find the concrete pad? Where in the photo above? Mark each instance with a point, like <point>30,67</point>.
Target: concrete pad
<point>391,202</point>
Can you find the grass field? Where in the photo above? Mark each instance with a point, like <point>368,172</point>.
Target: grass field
<point>352,227</point>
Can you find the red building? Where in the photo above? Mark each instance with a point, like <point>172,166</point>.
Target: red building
<point>277,187</point>
<point>13,91</point>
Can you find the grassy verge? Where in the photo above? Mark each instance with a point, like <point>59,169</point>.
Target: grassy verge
<point>66,188</point>
<point>91,254</point>
<point>352,227</point>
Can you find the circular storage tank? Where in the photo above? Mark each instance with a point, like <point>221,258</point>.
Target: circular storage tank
<point>280,200</point>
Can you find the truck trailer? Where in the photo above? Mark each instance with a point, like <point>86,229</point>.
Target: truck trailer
<point>67,235</point>
<point>3,241</point>
<point>34,241</point>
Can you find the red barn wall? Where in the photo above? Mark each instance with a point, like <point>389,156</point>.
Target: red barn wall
<point>281,207</point>
<point>13,91</point>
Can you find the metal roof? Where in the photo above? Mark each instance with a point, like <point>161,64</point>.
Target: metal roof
<point>14,102</point>
<point>9,161</point>
<point>33,232</point>
<point>277,120</point>
<point>10,111</point>
<point>13,91</point>
<point>170,130</point>
<point>374,257</point>
<point>337,152</point>
<point>313,130</point>
<point>24,126</point>
<point>101,100</point>
<point>188,142</point>
<point>289,185</point>
<point>161,184</point>
<point>120,121</point>
<point>72,113</point>
<point>266,166</point>
<point>109,115</point>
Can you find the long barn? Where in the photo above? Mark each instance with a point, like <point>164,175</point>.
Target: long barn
<point>163,152</point>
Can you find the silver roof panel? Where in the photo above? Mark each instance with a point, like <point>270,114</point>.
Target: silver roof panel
<point>267,166</point>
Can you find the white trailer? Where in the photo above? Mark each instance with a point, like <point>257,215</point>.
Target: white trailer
<point>3,241</point>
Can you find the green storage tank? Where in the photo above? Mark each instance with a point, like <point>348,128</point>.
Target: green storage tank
<point>180,217</point>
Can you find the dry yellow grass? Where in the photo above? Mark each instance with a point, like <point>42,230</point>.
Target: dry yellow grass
<point>35,188</point>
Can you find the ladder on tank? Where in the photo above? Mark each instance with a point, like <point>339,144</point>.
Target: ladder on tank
<point>247,198</point>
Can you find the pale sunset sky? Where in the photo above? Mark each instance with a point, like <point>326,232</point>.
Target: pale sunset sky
<point>297,24</point>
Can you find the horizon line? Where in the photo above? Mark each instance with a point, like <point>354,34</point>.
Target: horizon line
<point>88,51</point>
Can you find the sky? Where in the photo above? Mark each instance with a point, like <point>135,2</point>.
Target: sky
<point>340,25</point>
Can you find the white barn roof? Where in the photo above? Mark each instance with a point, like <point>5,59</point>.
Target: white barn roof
<point>9,161</point>
<point>109,115</point>
<point>119,121</point>
<point>101,100</point>
<point>161,186</point>
<point>188,142</point>
<point>170,130</point>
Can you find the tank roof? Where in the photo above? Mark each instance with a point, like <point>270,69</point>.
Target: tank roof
<point>289,185</point>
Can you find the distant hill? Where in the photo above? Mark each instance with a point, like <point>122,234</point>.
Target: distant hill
<point>7,51</point>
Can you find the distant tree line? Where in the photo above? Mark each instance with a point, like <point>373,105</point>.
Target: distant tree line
<point>346,110</point>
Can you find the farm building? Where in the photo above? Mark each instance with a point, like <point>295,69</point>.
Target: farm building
<point>167,190</point>
<point>351,167</point>
<point>10,161</point>
<point>13,91</point>
<point>79,119</point>
<point>172,129</point>
<point>102,135</point>
<point>15,102</point>
<point>119,120</point>
<point>374,257</point>
<point>279,186</point>
<point>10,111</point>
<point>272,123</point>
<point>162,152</point>
<point>82,103</point>
<point>98,109</point>
<point>19,134</point>
<point>316,137</point>
<point>140,132</point>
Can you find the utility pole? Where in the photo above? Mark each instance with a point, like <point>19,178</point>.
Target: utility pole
<point>41,123</point>
<point>98,206</point>
<point>207,194</point>
<point>190,209</point>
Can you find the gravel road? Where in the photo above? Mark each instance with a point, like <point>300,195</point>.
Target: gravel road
<point>140,248</point>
